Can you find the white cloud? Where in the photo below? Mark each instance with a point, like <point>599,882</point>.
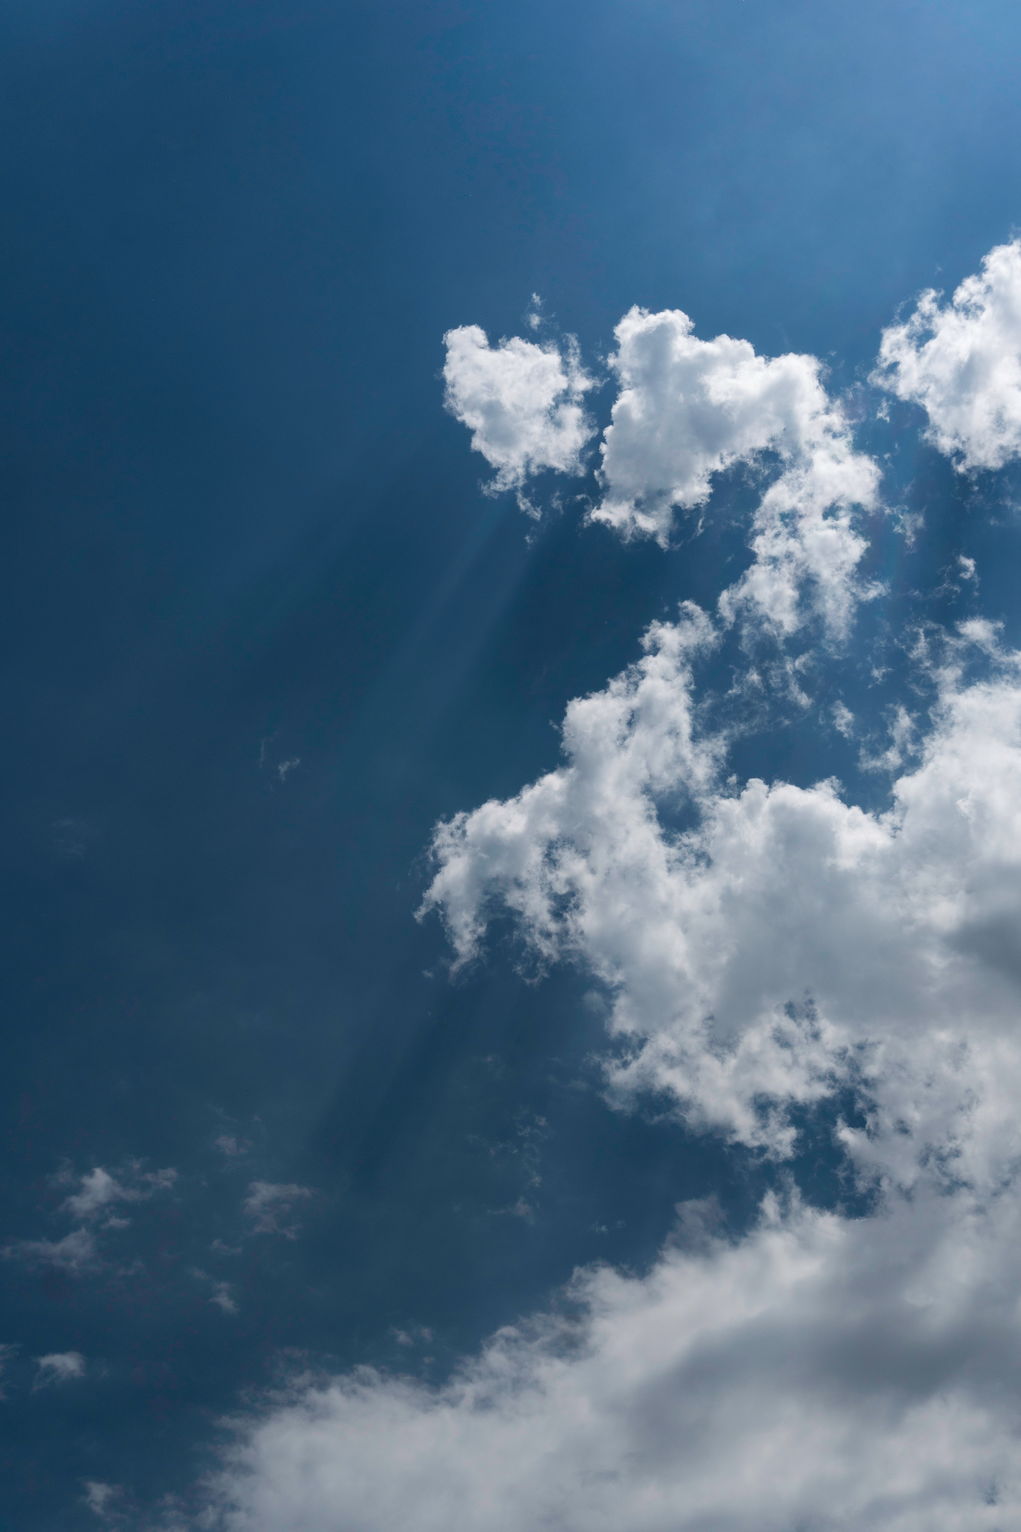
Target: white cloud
<point>75,1253</point>
<point>787,940</point>
<point>843,719</point>
<point>961,361</point>
<point>688,409</point>
<point>902,733</point>
<point>58,1367</point>
<point>806,545</point>
<point>103,1500</point>
<point>98,1189</point>
<point>762,946</point>
<point>91,1206</point>
<point>822,1373</point>
<point>521,400</point>
<point>270,1207</point>
<point>414,1335</point>
<point>223,1297</point>
<point>221,1294</point>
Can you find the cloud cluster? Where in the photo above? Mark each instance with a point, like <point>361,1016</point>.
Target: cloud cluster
<point>785,942</point>
<point>95,1208</point>
<point>961,361</point>
<point>823,1372</point>
<point>686,410</point>
<point>765,949</point>
<point>521,400</point>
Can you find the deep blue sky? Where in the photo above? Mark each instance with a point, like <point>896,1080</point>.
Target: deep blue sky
<point>241,530</point>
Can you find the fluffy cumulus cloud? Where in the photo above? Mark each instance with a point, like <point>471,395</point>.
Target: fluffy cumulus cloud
<point>686,410</point>
<point>522,401</point>
<point>823,1371</point>
<point>961,361</point>
<point>784,941</point>
<point>807,545</point>
<point>766,950</point>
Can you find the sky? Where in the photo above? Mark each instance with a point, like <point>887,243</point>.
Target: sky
<point>512,801</point>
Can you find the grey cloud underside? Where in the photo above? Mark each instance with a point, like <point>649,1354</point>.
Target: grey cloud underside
<point>822,1373</point>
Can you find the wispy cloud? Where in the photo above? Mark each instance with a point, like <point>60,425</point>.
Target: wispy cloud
<point>270,1207</point>
<point>58,1367</point>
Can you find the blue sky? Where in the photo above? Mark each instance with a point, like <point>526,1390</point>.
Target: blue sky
<point>270,623</point>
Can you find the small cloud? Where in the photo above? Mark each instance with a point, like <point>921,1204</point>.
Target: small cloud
<point>843,719</point>
<point>75,1253</point>
<point>221,1293</point>
<point>222,1297</point>
<point>522,402</point>
<point>58,1367</point>
<point>102,1499</point>
<point>983,634</point>
<point>414,1335</point>
<point>269,1206</point>
<point>281,769</point>
<point>231,1146</point>
<point>903,736</point>
<point>98,1188</point>
<point>91,1205</point>
<point>522,1209</point>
